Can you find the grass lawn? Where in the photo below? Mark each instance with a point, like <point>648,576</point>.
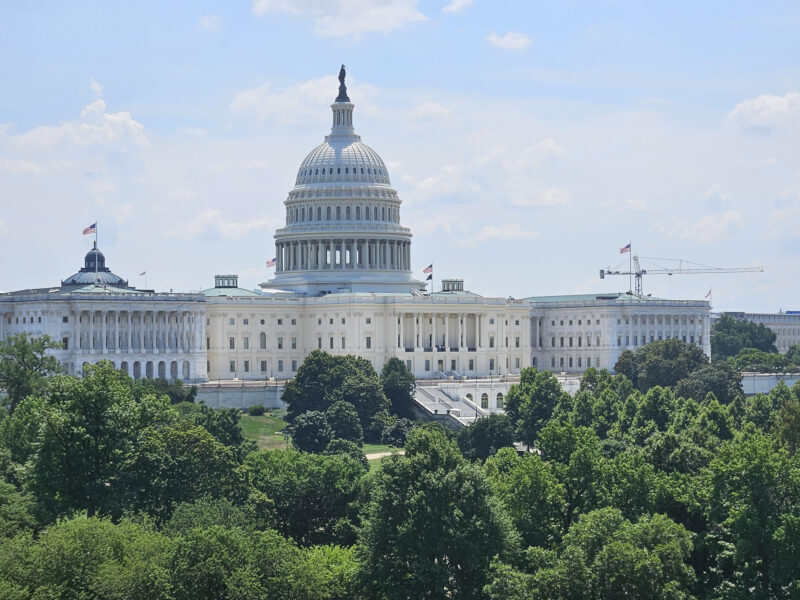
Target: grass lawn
<point>265,430</point>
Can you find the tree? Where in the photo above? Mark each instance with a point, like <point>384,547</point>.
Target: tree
<point>16,511</point>
<point>432,525</point>
<point>311,432</point>
<point>787,428</point>
<point>175,390</point>
<point>754,360</point>
<point>663,363</point>
<point>716,378</point>
<point>223,424</point>
<point>324,379</point>
<point>314,495</point>
<point>343,420</point>
<point>89,429</point>
<point>396,432</point>
<point>730,336</point>
<point>180,463</point>
<point>530,403</point>
<point>483,437</point>
<point>26,365</point>
<point>398,386</point>
<point>751,497</point>
<point>530,493</point>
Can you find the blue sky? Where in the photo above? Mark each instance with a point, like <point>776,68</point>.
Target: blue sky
<point>529,140</point>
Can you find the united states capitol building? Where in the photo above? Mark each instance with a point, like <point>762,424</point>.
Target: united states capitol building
<point>343,283</point>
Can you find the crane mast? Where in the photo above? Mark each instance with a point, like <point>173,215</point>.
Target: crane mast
<point>638,272</point>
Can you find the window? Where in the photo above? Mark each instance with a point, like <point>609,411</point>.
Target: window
<point>63,320</point>
<point>619,340</point>
<point>231,321</point>
<point>246,321</point>
<point>369,342</point>
<point>208,343</point>
<point>562,341</point>
<point>408,362</point>
<point>294,343</point>
<point>65,343</point>
<point>580,341</point>
<point>579,321</point>
<point>506,342</point>
<point>294,321</point>
<point>280,321</point>
<point>499,402</point>
<point>294,365</point>
<point>331,322</point>
<point>597,341</point>
<point>280,366</point>
<point>471,364</point>
<point>427,365</point>
<point>247,366</point>
<point>561,362</point>
<point>516,322</point>
<point>552,362</point>
<point>453,365</point>
<point>343,344</point>
<point>588,361</point>
<point>246,343</point>
<point>263,366</point>
<point>231,343</point>
<point>553,341</point>
<point>484,400</point>
<point>331,343</point>
<point>516,363</point>
<point>232,366</point>
<point>570,323</point>
<point>342,321</point>
<point>491,364</point>
<point>369,321</point>
<point>491,321</point>
<point>262,321</point>
<point>262,340</point>
<point>570,341</point>
<point>280,343</point>
<point>491,341</point>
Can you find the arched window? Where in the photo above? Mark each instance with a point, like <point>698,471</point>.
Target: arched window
<point>469,397</point>
<point>338,213</point>
<point>485,401</point>
<point>362,170</point>
<point>383,213</point>
<point>358,213</point>
<point>347,213</point>
<point>303,214</point>
<point>366,212</point>
<point>328,211</point>
<point>346,170</point>
<point>500,400</point>
<point>262,340</point>
<point>375,212</point>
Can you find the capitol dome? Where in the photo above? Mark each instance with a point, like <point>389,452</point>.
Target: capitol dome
<point>343,231</point>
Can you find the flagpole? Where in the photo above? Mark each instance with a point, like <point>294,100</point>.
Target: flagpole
<point>95,254</point>
<point>630,268</point>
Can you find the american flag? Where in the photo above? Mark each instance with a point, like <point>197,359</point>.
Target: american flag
<point>625,249</point>
<point>428,269</point>
<point>708,295</point>
<point>90,229</point>
<point>272,262</point>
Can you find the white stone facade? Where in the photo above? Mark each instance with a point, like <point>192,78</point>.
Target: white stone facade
<point>786,326</point>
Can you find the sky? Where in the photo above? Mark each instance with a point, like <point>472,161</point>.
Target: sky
<point>529,141</point>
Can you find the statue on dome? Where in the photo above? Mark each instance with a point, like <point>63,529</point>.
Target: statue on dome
<point>342,97</point>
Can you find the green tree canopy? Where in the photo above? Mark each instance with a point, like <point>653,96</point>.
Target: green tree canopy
<point>398,386</point>
<point>25,366</point>
<point>343,420</point>
<point>432,524</point>
<point>719,379</point>
<point>530,403</point>
<point>483,437</point>
<point>663,363</point>
<point>730,336</point>
<point>311,432</point>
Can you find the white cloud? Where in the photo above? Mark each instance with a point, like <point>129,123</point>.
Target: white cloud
<point>211,220</point>
<point>510,41</point>
<point>19,167</point>
<point>192,131</point>
<point>210,22</point>
<point>429,111</point>
<point>95,126</point>
<point>716,198</point>
<point>448,182</point>
<point>347,17</point>
<point>552,196</point>
<point>499,232</point>
<point>708,228</point>
<point>533,156</point>
<point>766,111</point>
<point>456,6</point>
<point>96,88</point>
<point>303,102</point>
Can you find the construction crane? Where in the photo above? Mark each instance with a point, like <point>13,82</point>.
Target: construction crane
<point>637,271</point>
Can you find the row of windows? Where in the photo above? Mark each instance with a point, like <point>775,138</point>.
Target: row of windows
<point>568,363</point>
<point>491,342</point>
<point>25,320</point>
<point>232,321</point>
<point>580,322</point>
<point>653,338</point>
<point>485,400</point>
<point>300,215</point>
<point>232,366</point>
<point>659,319</point>
<point>570,341</point>
<point>355,171</point>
